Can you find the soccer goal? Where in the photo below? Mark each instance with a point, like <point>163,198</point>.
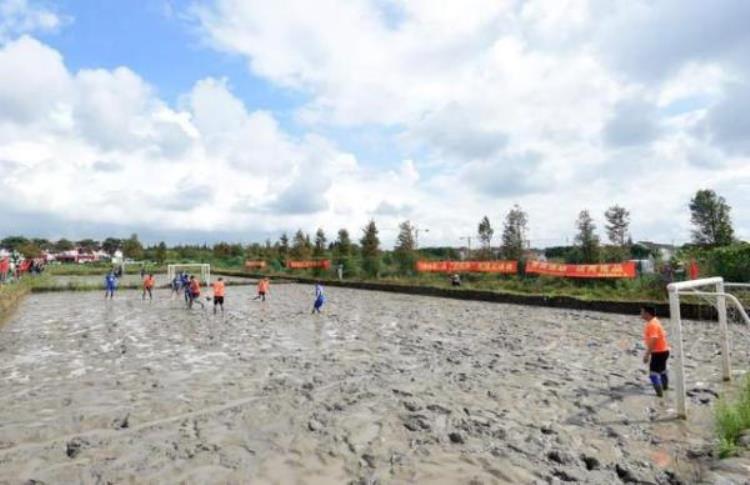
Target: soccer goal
<point>714,291</point>
<point>205,269</point>
<point>125,263</point>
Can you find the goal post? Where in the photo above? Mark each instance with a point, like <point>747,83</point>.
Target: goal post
<point>204,268</point>
<point>698,288</point>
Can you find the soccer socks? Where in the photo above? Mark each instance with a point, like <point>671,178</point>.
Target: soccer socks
<point>664,381</point>
<point>656,382</point>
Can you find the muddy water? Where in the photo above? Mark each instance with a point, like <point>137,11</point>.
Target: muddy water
<point>394,388</point>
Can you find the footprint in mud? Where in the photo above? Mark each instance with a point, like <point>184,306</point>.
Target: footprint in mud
<point>73,447</point>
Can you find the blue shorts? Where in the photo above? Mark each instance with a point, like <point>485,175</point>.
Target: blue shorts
<point>319,301</point>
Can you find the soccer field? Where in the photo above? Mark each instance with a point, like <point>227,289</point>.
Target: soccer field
<point>385,387</point>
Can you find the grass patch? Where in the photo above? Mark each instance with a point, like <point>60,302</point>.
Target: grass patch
<point>732,418</point>
<point>92,269</point>
<point>12,293</point>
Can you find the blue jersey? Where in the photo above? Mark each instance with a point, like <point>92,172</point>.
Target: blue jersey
<point>110,280</point>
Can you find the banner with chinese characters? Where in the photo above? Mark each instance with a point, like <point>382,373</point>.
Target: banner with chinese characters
<point>547,269</point>
<point>502,267</point>
<point>323,264</point>
<point>255,264</point>
<point>614,270</point>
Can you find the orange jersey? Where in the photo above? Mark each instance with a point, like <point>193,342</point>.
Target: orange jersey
<point>654,330</point>
<point>263,286</point>
<point>148,282</point>
<point>195,287</point>
<point>218,288</point>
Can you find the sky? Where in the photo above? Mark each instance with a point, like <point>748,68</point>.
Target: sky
<point>238,120</point>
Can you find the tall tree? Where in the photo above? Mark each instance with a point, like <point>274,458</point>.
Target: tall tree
<point>319,250</point>
<point>161,253</point>
<point>30,250</point>
<point>514,233</point>
<point>485,232</point>
<point>283,246</point>
<point>132,248</point>
<point>63,245</point>
<point>617,227</point>
<point>343,251</point>
<point>111,244</point>
<point>343,245</point>
<point>618,224</point>
<point>370,244</point>
<point>301,245</point>
<point>13,243</point>
<point>87,245</point>
<point>709,213</point>
<point>404,251</point>
<point>43,244</point>
<point>586,239</point>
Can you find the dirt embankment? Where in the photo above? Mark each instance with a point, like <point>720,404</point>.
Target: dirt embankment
<point>10,297</point>
<point>688,310</point>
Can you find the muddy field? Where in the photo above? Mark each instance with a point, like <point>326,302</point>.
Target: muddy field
<point>381,388</point>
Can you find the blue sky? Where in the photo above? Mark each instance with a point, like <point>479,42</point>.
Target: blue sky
<point>162,44</point>
<point>221,119</point>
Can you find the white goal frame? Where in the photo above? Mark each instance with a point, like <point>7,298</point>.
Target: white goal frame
<point>124,264</point>
<point>692,287</point>
<point>204,268</point>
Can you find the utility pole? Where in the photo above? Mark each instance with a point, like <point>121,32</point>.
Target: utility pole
<point>468,243</point>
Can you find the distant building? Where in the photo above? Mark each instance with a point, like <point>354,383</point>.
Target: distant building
<point>78,256</point>
<point>535,254</point>
<point>663,251</point>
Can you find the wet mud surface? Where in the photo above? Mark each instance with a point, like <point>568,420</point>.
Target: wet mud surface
<point>381,388</point>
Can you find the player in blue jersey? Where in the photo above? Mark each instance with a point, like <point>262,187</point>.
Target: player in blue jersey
<point>110,283</point>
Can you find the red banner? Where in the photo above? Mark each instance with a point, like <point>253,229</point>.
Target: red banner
<point>615,270</point>
<point>503,267</point>
<point>323,264</point>
<point>255,264</point>
<point>545,268</point>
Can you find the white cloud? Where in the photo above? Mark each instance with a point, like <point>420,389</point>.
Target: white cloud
<point>100,146</point>
<point>27,91</point>
<point>21,16</point>
<point>556,105</point>
<point>476,88</point>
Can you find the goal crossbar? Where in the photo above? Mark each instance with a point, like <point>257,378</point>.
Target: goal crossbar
<point>735,301</point>
<point>692,287</point>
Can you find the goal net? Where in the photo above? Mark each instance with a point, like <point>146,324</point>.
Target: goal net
<point>727,305</point>
<point>205,271</point>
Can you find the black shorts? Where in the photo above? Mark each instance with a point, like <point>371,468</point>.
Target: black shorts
<point>261,293</point>
<point>658,362</point>
<point>218,300</point>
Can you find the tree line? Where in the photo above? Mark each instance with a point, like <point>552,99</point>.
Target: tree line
<point>710,216</point>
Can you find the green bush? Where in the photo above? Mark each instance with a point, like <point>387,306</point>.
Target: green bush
<point>730,262</point>
<point>732,418</point>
